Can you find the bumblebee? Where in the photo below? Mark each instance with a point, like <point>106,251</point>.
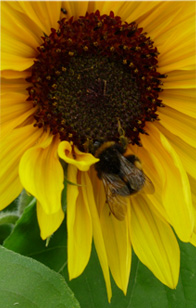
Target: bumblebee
<point>122,176</point>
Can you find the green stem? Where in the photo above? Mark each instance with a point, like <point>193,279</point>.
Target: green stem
<point>24,200</point>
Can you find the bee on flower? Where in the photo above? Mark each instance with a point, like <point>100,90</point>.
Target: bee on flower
<point>108,91</point>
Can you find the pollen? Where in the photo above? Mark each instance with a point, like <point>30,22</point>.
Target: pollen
<point>92,75</point>
<point>58,50</point>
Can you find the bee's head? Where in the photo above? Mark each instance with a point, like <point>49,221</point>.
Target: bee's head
<point>97,144</point>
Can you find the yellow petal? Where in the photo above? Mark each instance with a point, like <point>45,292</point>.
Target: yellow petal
<point>42,175</point>
<point>186,153</point>
<point>16,54</point>
<point>154,243</point>
<point>155,176</point>
<point>11,61</point>
<point>192,181</point>
<point>44,14</point>
<point>177,49</point>
<point>14,25</point>
<point>157,16</point>
<point>13,105</point>
<point>48,223</point>
<point>13,47</point>
<point>179,124</point>
<point>136,10</point>
<point>193,190</point>
<point>180,79</point>
<point>79,224</point>
<point>10,74</point>
<point>75,9</point>
<point>162,24</point>
<point>98,189</point>
<point>17,85</point>
<point>174,65</point>
<point>12,149</point>
<point>105,6</point>
<point>81,160</point>
<point>182,100</point>
<point>23,24</point>
<point>193,238</point>
<point>97,233</point>
<point>176,193</point>
<point>117,243</point>
<point>14,111</point>
<point>34,18</point>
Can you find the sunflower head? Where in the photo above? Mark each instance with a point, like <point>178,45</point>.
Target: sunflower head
<point>92,74</point>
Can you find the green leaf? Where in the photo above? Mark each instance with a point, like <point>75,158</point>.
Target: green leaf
<point>64,197</point>
<point>144,289</point>
<point>90,289</point>
<point>5,230</point>
<point>25,239</point>
<point>149,291</point>
<point>7,221</point>
<point>25,282</point>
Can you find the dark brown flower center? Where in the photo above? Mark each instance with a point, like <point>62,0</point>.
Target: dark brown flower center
<point>92,75</point>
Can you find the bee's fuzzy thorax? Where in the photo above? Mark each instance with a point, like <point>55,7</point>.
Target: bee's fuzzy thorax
<point>103,147</point>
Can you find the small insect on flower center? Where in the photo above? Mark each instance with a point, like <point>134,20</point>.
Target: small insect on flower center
<point>92,76</point>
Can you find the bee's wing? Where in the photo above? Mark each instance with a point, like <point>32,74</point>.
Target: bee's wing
<point>138,180</point>
<point>134,176</point>
<point>148,187</point>
<point>117,204</point>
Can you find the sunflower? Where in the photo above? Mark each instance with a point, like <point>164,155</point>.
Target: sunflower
<point>83,79</point>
